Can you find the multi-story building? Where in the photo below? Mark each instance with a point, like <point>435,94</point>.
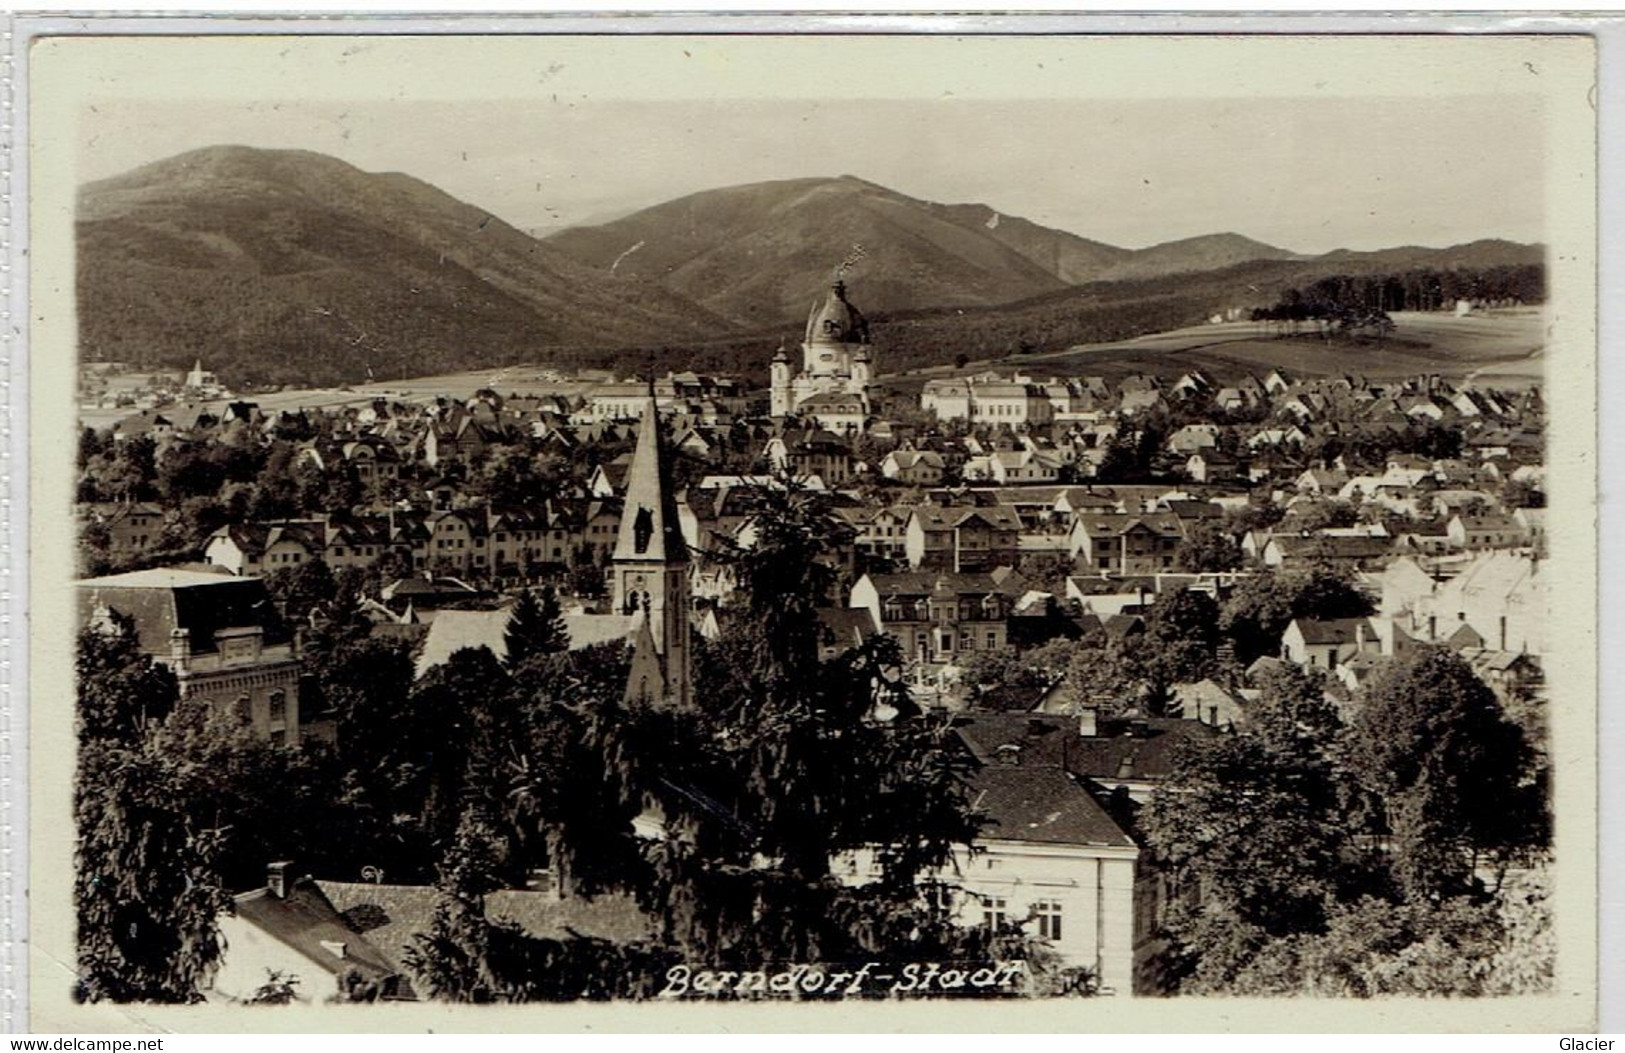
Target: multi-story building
<point>218,633</point>
<point>961,538</point>
<point>877,532</point>
<point>941,618</point>
<point>715,399</point>
<point>1126,543</point>
<point>988,400</point>
<point>132,526</point>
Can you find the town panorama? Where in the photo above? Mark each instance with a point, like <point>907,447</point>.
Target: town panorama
<point>852,663</point>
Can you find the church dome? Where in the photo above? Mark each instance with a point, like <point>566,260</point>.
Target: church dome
<point>835,320</point>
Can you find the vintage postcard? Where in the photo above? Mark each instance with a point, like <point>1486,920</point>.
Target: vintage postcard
<point>658,531</point>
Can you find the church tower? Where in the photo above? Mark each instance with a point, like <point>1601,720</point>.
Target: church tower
<point>779,384</point>
<point>651,571</point>
<point>836,357</point>
<point>835,332</point>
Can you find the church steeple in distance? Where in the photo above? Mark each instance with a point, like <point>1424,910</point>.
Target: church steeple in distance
<point>651,570</point>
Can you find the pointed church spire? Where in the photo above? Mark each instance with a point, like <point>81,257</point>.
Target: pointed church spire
<point>650,572</point>
<point>646,677</point>
<point>650,529</point>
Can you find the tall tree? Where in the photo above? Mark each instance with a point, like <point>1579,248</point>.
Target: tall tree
<point>535,627</point>
<point>1262,605</point>
<point>1257,821</point>
<point>147,889</point>
<point>1454,777</point>
<point>1209,547</point>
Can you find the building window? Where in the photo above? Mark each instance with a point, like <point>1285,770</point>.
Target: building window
<point>993,908</point>
<point>1049,919</point>
<point>279,706</point>
<point>939,897</point>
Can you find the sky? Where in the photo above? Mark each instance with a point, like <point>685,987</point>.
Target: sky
<point>1308,170</point>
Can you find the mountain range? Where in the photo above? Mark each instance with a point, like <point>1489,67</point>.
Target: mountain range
<point>279,266</point>
<point>297,267</point>
<point>732,249</point>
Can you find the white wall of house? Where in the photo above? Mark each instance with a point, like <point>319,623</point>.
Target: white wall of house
<point>250,958</point>
<point>222,551</point>
<point>1088,890</point>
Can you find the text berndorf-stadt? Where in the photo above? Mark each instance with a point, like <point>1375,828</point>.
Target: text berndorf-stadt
<point>915,979</point>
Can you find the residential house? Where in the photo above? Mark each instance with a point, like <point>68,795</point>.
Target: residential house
<point>1301,551</point>
<point>1533,522</point>
<point>1037,757</point>
<point>289,930</point>
<point>961,538</point>
<point>1209,702</point>
<point>1322,481</point>
<point>1193,438</point>
<point>914,467</point>
<point>823,455</point>
<point>376,464</point>
<point>132,526</point>
<point>1496,530</point>
<point>842,412</point>
<point>878,533</point>
<point>1015,467</point>
<point>1211,467</point>
<point>1122,543</point>
<point>941,617</point>
<point>1325,643</point>
<point>262,548</point>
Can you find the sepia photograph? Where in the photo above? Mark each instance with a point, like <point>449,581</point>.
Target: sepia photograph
<point>712,525</point>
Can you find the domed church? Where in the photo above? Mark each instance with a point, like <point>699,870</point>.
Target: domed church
<point>837,364</point>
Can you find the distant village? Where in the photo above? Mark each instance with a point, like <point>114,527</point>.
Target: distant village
<point>981,520</point>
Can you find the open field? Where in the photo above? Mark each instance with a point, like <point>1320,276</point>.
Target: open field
<point>1503,348</point>
<point>509,380</point>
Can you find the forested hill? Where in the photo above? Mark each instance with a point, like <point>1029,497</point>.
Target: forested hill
<point>289,267</point>
<point>292,267</point>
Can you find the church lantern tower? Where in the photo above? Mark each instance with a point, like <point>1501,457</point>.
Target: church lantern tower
<point>779,384</point>
<point>650,571</point>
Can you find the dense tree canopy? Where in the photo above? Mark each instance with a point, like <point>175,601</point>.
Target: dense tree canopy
<point>1453,775</point>
<point>1262,606</point>
<point>1310,857</point>
<point>147,886</point>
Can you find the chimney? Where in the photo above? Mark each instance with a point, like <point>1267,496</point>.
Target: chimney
<point>1088,720</point>
<point>1359,636</point>
<point>180,647</point>
<point>279,878</point>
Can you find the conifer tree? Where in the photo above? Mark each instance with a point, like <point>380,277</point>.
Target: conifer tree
<point>535,627</point>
